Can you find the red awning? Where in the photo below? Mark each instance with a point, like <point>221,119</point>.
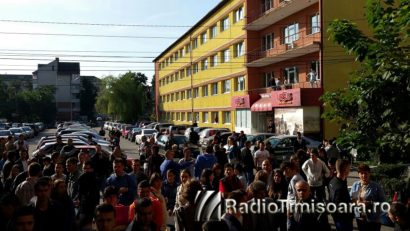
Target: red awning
<point>263,104</point>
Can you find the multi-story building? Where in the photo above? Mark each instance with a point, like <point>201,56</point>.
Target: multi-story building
<point>249,63</point>
<point>65,77</point>
<point>19,82</point>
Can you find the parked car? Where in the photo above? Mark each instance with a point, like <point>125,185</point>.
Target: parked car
<point>178,139</point>
<point>144,132</point>
<point>40,125</point>
<point>28,131</point>
<point>5,134</point>
<point>126,130</point>
<point>132,133</point>
<point>197,129</point>
<point>224,139</point>
<point>162,126</point>
<point>283,145</point>
<point>258,136</point>
<point>206,133</point>
<point>150,126</point>
<point>178,129</point>
<point>16,132</point>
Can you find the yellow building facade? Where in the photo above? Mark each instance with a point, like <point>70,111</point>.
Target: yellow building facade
<point>249,63</point>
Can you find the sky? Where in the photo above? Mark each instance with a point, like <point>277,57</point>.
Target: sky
<point>30,33</point>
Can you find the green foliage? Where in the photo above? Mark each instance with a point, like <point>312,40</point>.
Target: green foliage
<point>88,95</point>
<point>124,97</point>
<point>390,177</point>
<point>374,108</point>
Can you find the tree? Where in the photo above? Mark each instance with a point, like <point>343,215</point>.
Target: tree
<point>88,95</point>
<point>124,97</point>
<point>374,109</point>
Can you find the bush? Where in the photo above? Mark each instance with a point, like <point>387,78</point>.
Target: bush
<point>391,177</point>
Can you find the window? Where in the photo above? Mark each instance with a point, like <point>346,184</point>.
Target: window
<point>181,52</point>
<point>203,38</point>
<point>224,24</point>
<point>291,75</point>
<point>205,117</point>
<point>267,42</point>
<point>172,78</point>
<point>238,49</point>
<point>178,116</point>
<point>266,79</point>
<point>204,64</point>
<point>291,33</point>
<point>195,68</point>
<point>227,117</point>
<point>167,98</point>
<point>176,96</point>
<point>214,117</point>
<point>196,92</point>
<point>176,56</point>
<point>196,116</point>
<point>238,14</point>
<point>266,5</point>
<point>187,49</point>
<point>194,43</point>
<point>315,24</point>
<point>167,79</point>
<point>226,86</point>
<point>182,73</point>
<point>176,76</point>
<point>189,94</point>
<point>182,95</point>
<point>240,83</point>
<point>214,31</point>
<point>182,116</point>
<point>214,60</point>
<point>243,118</point>
<point>214,88</point>
<point>172,97</point>
<point>314,65</point>
<point>188,71</point>
<point>205,90</point>
<point>225,56</point>
<point>189,116</point>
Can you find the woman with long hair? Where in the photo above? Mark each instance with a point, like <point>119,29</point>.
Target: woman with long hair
<point>207,178</point>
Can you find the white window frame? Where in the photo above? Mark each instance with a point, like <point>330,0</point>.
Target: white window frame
<point>291,75</point>
<point>182,116</point>
<point>194,43</point>
<point>204,38</point>
<point>189,94</point>
<point>205,117</point>
<point>266,79</point>
<point>227,119</point>
<point>267,42</point>
<point>214,60</point>
<point>315,23</point>
<point>240,83</point>
<point>189,116</point>
<point>195,68</point>
<point>204,64</point>
<point>226,86</point>
<point>291,33</point>
<point>266,5</point>
<point>225,24</point>
<point>196,92</point>
<point>213,31</point>
<point>239,49</point>
<point>225,55</point>
<point>205,91</point>
<point>238,16</point>
<point>214,88</point>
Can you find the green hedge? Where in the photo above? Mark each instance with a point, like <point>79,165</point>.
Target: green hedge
<point>391,177</point>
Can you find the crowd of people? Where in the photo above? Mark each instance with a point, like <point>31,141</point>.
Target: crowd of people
<point>155,192</point>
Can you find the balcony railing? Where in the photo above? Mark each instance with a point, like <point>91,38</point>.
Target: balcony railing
<point>297,45</point>
<point>304,84</point>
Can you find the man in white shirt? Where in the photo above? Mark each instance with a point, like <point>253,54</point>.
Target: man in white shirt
<point>260,155</point>
<point>315,169</point>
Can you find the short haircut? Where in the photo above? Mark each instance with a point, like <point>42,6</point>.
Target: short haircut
<point>287,164</point>
<point>186,171</point>
<point>236,195</point>
<point>258,186</point>
<point>209,149</point>
<point>104,208</point>
<point>34,169</point>
<point>228,165</point>
<point>72,160</point>
<point>89,163</point>
<point>144,184</point>
<point>154,177</point>
<point>171,171</point>
<point>342,165</point>
<point>23,211</point>
<point>119,161</point>
<point>363,168</point>
<point>142,203</point>
<point>110,191</point>
<point>42,182</point>
<point>155,148</point>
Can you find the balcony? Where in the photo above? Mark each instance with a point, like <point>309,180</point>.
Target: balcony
<point>306,44</point>
<point>279,10</point>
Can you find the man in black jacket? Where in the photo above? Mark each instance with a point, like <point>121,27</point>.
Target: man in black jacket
<point>339,193</point>
<point>247,160</point>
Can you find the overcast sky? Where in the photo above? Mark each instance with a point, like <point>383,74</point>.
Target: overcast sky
<point>155,25</point>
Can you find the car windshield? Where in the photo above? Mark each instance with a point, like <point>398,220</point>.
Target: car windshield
<point>249,137</point>
<point>4,133</point>
<point>180,139</point>
<point>15,130</point>
<point>274,141</point>
<point>149,132</point>
<point>26,129</point>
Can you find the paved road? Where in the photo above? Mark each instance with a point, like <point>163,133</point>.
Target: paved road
<point>130,149</point>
